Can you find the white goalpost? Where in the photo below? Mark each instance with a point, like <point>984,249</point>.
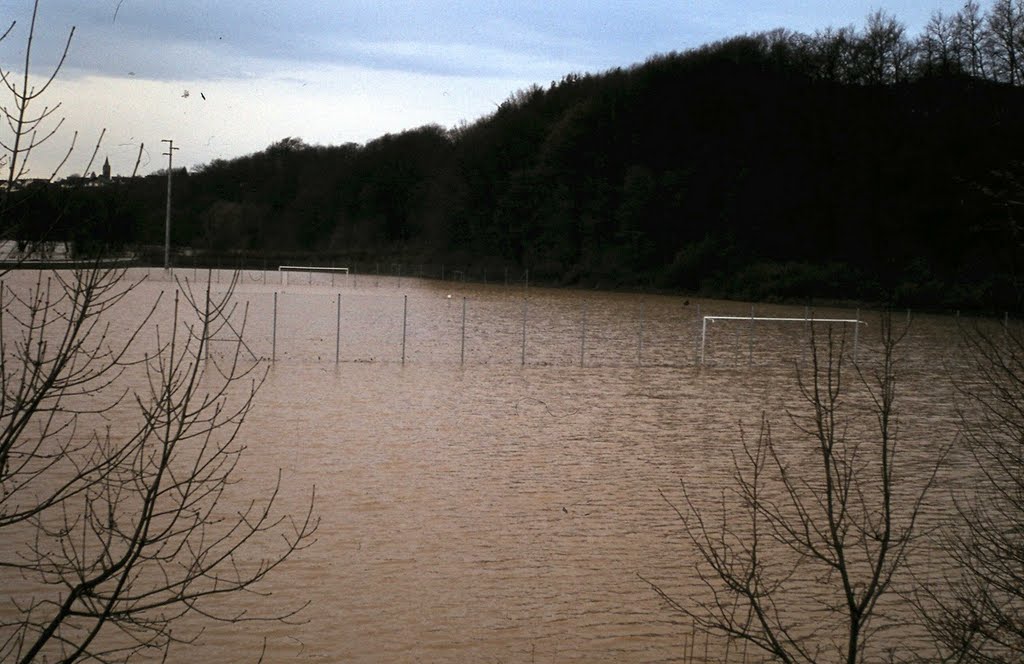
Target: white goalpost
<point>856,322</point>
<point>285,269</point>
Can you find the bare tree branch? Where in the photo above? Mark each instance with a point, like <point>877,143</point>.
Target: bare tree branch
<point>120,442</point>
<point>975,611</point>
<point>820,511</point>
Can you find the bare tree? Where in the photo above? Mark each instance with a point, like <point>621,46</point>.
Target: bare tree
<point>835,54</point>
<point>119,450</point>
<point>970,39</point>
<point>801,550</point>
<point>1005,40</point>
<point>28,123</point>
<point>885,53</point>
<point>937,46</point>
<point>127,528</point>
<point>27,126</point>
<point>975,610</point>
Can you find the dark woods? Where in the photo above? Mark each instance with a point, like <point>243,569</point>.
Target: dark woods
<point>860,163</point>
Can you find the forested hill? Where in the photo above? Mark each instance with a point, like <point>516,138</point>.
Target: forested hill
<point>775,165</point>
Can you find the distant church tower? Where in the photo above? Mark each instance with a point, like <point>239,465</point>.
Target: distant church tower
<point>106,168</point>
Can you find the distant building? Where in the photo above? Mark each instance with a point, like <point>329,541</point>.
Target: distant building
<point>106,169</point>
<point>23,183</point>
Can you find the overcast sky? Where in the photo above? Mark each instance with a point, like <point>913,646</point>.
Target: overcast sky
<point>225,78</point>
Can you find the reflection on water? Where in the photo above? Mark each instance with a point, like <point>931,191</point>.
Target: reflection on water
<point>478,509</point>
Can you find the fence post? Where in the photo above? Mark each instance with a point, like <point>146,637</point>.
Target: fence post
<point>524,332</point>
<point>337,334</point>
<point>856,335</point>
<point>640,338</point>
<point>462,357</point>
<point>703,336</point>
<point>1006,335</point>
<point>583,330</point>
<point>807,336</point>
<point>701,349</point>
<point>273,334</point>
<point>750,352</point>
<point>405,318</point>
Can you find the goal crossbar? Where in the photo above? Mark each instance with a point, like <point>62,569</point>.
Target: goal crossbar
<point>856,322</point>
<point>285,269</point>
<point>310,268</point>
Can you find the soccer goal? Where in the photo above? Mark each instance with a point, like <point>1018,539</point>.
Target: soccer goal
<point>856,322</point>
<point>286,269</point>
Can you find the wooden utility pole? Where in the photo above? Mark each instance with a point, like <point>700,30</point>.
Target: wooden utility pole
<point>167,221</point>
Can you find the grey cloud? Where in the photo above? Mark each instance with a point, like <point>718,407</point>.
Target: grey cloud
<point>205,39</point>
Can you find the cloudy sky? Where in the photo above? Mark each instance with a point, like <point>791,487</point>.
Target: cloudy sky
<point>225,78</point>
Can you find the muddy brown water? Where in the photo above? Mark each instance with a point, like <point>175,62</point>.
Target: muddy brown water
<point>488,500</point>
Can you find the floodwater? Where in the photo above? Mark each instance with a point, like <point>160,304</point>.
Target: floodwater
<point>496,466</point>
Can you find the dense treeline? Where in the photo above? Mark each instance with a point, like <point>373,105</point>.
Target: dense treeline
<point>852,163</point>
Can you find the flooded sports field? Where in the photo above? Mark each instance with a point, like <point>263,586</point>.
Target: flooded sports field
<point>496,466</point>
